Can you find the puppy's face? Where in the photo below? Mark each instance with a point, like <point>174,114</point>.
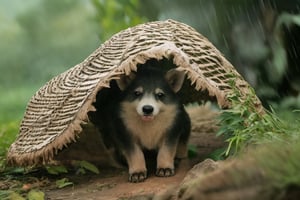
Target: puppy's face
<point>149,93</point>
<point>148,103</point>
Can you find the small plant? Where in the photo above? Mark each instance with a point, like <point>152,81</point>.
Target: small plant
<point>84,165</point>
<point>243,124</point>
<point>80,166</point>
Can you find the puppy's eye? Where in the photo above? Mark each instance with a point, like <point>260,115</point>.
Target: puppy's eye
<point>160,95</point>
<point>137,93</point>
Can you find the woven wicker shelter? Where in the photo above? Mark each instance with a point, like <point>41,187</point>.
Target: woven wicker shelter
<point>56,114</point>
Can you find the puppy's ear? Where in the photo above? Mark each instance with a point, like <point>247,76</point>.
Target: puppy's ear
<point>175,79</point>
<point>125,80</point>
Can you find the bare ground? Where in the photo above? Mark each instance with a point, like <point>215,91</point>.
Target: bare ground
<point>113,184</point>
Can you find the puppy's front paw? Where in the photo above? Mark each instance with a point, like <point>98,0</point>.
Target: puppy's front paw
<point>137,177</point>
<point>165,172</point>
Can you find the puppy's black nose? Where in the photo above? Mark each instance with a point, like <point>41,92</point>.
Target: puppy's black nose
<point>147,109</point>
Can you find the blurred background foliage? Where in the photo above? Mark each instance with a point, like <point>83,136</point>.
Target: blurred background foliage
<point>41,38</point>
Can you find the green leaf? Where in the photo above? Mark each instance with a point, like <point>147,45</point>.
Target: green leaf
<point>15,196</point>
<point>218,154</point>
<point>14,170</point>
<point>56,170</point>
<point>89,166</point>
<point>35,195</point>
<point>64,182</point>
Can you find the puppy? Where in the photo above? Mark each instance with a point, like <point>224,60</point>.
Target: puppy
<point>146,114</point>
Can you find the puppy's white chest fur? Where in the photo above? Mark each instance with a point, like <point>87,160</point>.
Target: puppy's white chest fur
<point>149,134</point>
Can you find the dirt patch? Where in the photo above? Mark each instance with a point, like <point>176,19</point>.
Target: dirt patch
<point>113,184</point>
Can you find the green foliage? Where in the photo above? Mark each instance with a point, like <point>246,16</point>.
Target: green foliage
<point>8,132</point>
<point>218,154</point>
<point>279,63</point>
<point>35,195</point>
<point>11,108</point>
<point>284,164</point>
<point>85,165</point>
<point>64,182</point>
<point>4,194</point>
<point>37,48</point>
<point>283,62</point>
<point>243,125</point>
<point>116,15</point>
<point>22,195</point>
<point>80,166</point>
<point>15,196</point>
<point>192,151</point>
<point>13,105</point>
<point>56,170</point>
